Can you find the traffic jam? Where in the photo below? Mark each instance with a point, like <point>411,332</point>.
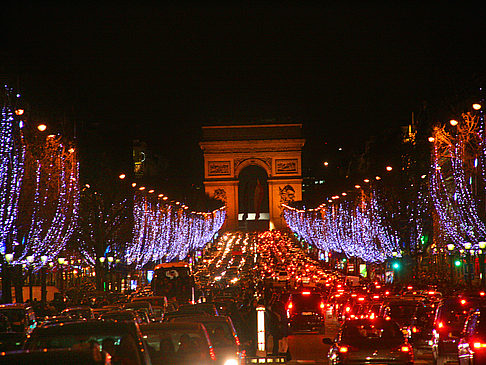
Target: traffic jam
<point>251,298</point>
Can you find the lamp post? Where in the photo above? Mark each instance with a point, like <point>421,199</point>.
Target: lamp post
<point>482,247</point>
<point>30,261</point>
<point>468,271</point>
<point>450,248</point>
<point>43,278</point>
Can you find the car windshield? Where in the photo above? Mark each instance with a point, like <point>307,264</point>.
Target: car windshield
<point>13,315</point>
<point>306,302</point>
<point>363,333</point>
<point>167,345</point>
<point>402,311</point>
<point>220,333</point>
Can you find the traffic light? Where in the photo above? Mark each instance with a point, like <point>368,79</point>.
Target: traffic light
<point>457,263</point>
<point>396,265</point>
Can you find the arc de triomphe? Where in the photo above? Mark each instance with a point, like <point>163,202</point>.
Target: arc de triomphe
<point>253,169</point>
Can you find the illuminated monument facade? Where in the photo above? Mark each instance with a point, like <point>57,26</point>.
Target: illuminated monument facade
<point>253,169</point>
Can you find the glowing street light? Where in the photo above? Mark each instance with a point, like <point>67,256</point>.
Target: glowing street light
<point>357,186</point>
<point>431,139</point>
<point>19,112</point>
<point>453,122</point>
<point>42,127</point>
<point>366,180</point>
<point>122,176</point>
<point>476,106</point>
<point>389,168</point>
<point>378,178</point>
<point>326,163</point>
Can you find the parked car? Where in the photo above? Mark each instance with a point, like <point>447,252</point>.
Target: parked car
<point>370,341</point>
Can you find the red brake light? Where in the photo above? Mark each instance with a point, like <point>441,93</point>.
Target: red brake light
<point>343,349</point>
<point>322,305</point>
<point>463,301</point>
<point>290,305</point>
<point>415,329</point>
<point>372,316</point>
<point>387,293</point>
<point>482,294</point>
<point>306,293</point>
<point>479,345</point>
<point>440,324</point>
<point>376,297</point>
<point>348,309</point>
<point>361,299</point>
<point>405,348</point>
<point>409,287</point>
<point>211,353</point>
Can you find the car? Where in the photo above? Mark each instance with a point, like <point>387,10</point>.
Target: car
<point>223,335</point>
<point>471,347</point>
<point>449,322</point>
<point>369,341</point>
<point>306,311</point>
<point>83,312</point>
<point>123,315</point>
<point>178,343</point>
<point>206,307</point>
<point>141,305</point>
<point>402,311</point>
<point>282,276</point>
<point>21,317</point>
<point>121,340</point>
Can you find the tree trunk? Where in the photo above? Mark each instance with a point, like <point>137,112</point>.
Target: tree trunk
<point>6,282</point>
<point>43,279</point>
<point>18,281</point>
<point>100,276</point>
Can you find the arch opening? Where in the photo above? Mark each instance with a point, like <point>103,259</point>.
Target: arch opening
<point>253,200</point>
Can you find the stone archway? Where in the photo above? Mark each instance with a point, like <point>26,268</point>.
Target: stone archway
<point>272,149</point>
<point>253,202</point>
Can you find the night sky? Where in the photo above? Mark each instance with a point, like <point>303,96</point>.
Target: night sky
<point>159,72</point>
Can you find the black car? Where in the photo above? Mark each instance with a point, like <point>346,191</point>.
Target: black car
<point>306,312</point>
<point>448,324</point>
<point>369,341</point>
<point>121,340</point>
<point>472,343</point>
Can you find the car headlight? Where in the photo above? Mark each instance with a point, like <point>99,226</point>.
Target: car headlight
<point>231,362</point>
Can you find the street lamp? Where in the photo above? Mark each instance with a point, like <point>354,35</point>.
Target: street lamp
<point>41,127</point>
<point>453,122</point>
<point>450,247</point>
<point>9,257</point>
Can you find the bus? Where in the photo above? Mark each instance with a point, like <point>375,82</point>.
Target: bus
<point>174,280</point>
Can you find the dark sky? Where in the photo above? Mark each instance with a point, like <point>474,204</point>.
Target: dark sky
<point>159,72</point>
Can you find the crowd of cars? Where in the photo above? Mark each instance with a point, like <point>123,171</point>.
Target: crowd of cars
<point>378,323</point>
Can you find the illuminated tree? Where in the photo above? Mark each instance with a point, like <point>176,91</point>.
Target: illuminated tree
<point>458,179</point>
<point>165,231</point>
<point>356,227</point>
<point>104,230</point>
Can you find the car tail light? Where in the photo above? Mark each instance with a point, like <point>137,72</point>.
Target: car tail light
<point>306,293</point>
<point>415,329</point>
<point>322,305</point>
<point>372,316</point>
<point>387,293</point>
<point>463,301</point>
<point>405,348</point>
<point>343,349</point>
<point>376,297</point>
<point>440,325</point>
<point>290,306</point>
<point>211,353</point>
<point>479,345</point>
<point>361,299</point>
<point>482,294</point>
<point>348,309</point>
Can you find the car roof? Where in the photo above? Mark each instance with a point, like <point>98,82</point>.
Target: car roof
<point>171,325</point>
<point>15,306</point>
<point>84,327</point>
